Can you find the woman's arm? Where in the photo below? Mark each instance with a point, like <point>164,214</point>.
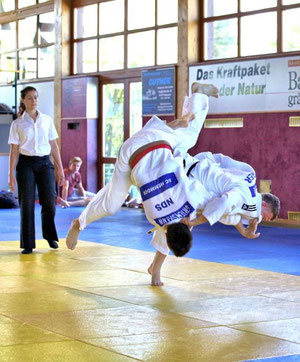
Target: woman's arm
<point>13,159</point>
<point>57,160</point>
<point>65,190</point>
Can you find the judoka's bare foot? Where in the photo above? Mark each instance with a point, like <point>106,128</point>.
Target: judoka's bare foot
<point>208,89</point>
<point>73,233</point>
<point>182,122</point>
<point>155,280</point>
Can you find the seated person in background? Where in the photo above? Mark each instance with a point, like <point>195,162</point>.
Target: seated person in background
<point>134,199</point>
<point>73,193</point>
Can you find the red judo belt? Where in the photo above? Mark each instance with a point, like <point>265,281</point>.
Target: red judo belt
<point>142,151</point>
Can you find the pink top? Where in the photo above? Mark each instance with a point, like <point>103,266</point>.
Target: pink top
<point>73,178</point>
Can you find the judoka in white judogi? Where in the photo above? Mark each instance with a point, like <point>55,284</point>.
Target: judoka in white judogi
<point>168,195</point>
<point>232,190</point>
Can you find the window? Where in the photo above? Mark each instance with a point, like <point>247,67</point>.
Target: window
<point>128,34</point>
<point>7,37</point>
<point>28,64</point>
<point>8,41</point>
<point>46,62</point>
<point>221,39</point>
<point>86,21</point>
<point>111,15</point>
<point>121,118</point>
<point>27,32</point>
<point>7,5</point>
<point>113,118</point>
<point>47,28</point>
<point>140,55</point>
<point>135,108</point>
<point>263,39</point>
<point>8,65</point>
<point>25,3</point>
<point>27,44</point>
<point>247,5</point>
<point>240,28</point>
<point>111,53</point>
<point>86,56</point>
<point>141,14</point>
<point>291,30</point>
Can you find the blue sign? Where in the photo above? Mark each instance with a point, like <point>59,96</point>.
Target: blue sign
<point>185,210</point>
<point>158,186</point>
<point>158,91</point>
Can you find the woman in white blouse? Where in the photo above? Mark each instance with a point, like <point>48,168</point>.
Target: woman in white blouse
<point>32,140</point>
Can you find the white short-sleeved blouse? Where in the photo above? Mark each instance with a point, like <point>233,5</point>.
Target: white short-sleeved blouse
<point>33,137</point>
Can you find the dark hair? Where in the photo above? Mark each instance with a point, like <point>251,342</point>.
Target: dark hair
<point>23,95</point>
<point>179,238</point>
<point>273,202</point>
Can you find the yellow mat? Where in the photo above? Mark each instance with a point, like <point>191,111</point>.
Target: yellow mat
<point>96,304</point>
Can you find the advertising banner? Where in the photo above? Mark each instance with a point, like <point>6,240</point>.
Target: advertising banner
<point>158,91</point>
<point>264,85</point>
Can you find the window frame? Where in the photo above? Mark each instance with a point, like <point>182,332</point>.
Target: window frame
<point>20,14</point>
<point>279,9</point>
<point>125,33</point>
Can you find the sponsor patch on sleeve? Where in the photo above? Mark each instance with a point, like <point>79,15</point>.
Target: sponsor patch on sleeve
<point>185,210</point>
<point>249,207</point>
<point>158,186</point>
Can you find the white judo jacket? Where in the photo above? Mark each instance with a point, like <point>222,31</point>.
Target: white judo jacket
<point>232,186</point>
<point>232,190</point>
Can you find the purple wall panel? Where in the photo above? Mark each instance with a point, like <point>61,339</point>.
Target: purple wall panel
<point>269,145</point>
<point>74,92</point>
<point>74,144</point>
<point>92,155</point>
<point>79,134</point>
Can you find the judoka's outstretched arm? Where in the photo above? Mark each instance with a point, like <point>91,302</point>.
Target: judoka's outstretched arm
<point>250,231</point>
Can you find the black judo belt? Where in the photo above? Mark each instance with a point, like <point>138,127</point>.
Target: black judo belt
<point>190,168</point>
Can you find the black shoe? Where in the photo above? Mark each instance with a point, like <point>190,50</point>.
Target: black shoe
<point>53,244</point>
<point>26,251</point>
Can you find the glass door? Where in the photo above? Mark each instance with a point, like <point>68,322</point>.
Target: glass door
<point>121,117</point>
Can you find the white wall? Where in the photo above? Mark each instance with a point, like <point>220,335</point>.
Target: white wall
<point>45,90</point>
<point>46,105</point>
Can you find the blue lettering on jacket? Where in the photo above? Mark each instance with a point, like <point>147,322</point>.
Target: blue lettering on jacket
<point>185,210</point>
<point>253,190</point>
<point>250,177</point>
<point>158,186</point>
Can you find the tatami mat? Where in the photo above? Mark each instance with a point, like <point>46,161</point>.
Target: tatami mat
<point>96,304</point>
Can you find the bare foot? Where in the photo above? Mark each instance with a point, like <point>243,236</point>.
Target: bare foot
<point>208,89</point>
<point>73,233</point>
<point>62,202</point>
<point>155,280</point>
<point>182,122</point>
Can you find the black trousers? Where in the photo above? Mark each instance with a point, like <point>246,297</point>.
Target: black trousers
<point>32,171</point>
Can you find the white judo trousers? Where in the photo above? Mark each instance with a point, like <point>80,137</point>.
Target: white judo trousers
<point>111,197</point>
